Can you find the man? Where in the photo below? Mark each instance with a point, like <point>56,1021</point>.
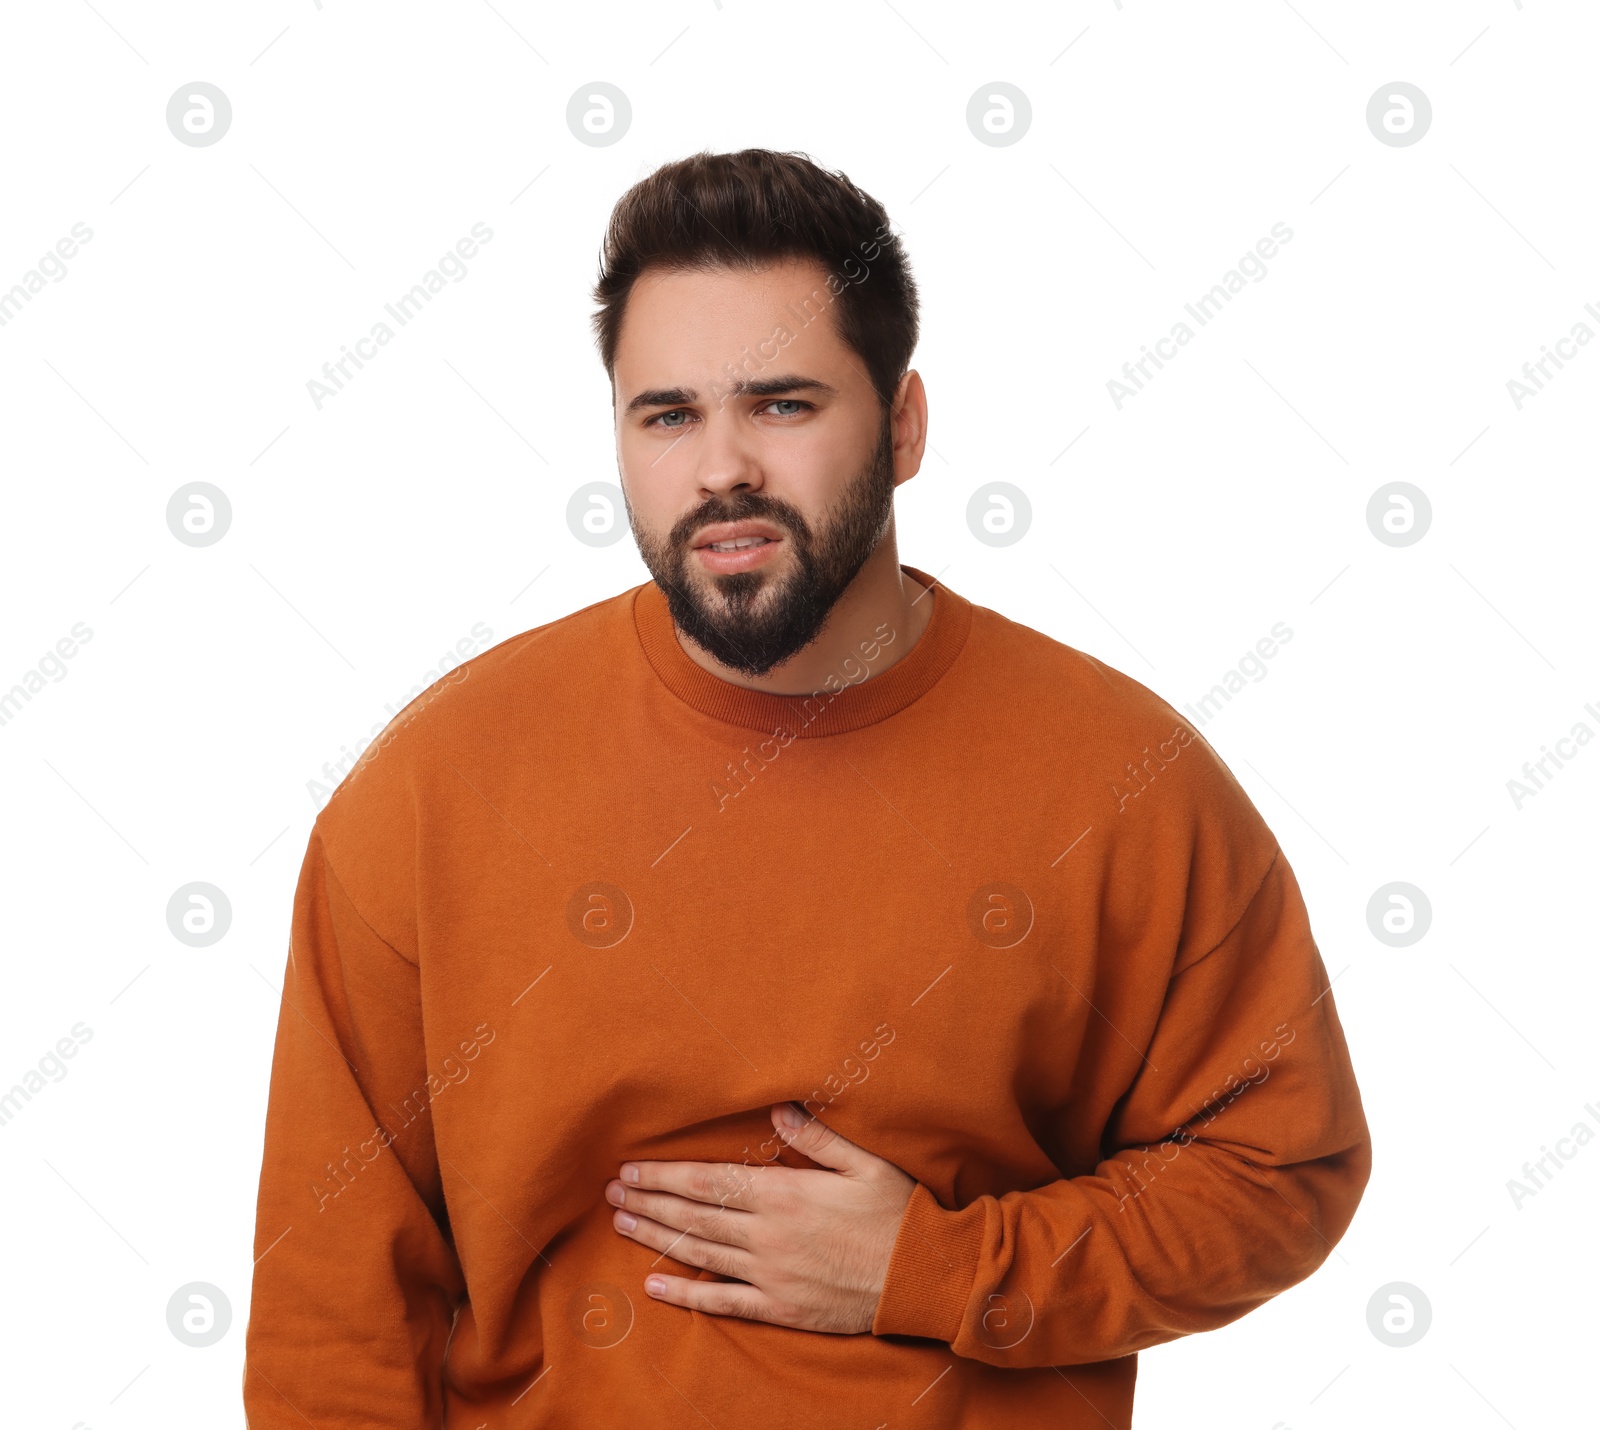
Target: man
<point>785,993</point>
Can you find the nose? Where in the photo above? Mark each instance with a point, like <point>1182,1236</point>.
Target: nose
<point>727,460</point>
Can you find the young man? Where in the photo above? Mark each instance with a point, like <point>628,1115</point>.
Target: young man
<point>790,833</point>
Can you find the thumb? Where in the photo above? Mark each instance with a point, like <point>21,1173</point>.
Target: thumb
<point>821,1143</point>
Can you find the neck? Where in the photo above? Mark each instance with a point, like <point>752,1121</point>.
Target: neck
<point>871,628</point>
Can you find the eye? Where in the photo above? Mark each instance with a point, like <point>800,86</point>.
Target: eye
<point>659,420</point>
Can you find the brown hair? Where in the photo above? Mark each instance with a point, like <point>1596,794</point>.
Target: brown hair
<point>751,208</point>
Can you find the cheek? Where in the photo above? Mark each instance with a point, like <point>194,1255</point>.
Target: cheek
<point>652,485</point>
<point>817,468</point>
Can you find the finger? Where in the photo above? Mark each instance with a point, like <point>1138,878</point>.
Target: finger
<point>718,1298</point>
<point>822,1144</point>
<point>711,1223</point>
<point>686,1247</point>
<point>722,1184</point>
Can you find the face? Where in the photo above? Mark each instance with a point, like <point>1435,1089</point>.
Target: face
<point>758,466</point>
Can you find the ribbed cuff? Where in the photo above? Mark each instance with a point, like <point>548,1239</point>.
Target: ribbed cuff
<point>931,1270</point>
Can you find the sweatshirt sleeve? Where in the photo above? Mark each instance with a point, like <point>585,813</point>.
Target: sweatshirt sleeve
<point>356,1281</point>
<point>1228,1171</point>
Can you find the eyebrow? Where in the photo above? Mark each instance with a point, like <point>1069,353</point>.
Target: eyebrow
<point>747,387</point>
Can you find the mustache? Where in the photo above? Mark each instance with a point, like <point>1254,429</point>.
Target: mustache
<point>759,508</point>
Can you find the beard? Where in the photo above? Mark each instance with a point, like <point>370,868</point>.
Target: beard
<point>739,622</point>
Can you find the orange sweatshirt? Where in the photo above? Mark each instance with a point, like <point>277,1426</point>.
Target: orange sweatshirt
<point>997,914</point>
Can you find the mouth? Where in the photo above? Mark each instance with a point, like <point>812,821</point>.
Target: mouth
<point>737,546</point>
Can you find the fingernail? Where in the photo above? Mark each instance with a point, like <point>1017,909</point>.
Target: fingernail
<point>790,1115</point>
<point>654,1285</point>
<point>615,1193</point>
<point>627,1221</point>
<point>630,1173</point>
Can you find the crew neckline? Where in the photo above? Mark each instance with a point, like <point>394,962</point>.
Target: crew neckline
<point>826,711</point>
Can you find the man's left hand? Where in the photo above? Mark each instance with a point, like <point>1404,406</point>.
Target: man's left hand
<point>806,1248</point>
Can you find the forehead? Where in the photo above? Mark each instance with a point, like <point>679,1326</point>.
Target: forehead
<point>681,322</point>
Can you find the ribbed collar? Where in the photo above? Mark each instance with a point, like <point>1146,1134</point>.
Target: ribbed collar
<point>828,711</point>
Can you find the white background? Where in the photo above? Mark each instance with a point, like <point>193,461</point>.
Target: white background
<point>367,538</point>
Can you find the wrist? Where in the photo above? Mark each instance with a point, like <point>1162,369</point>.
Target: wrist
<point>928,1282</point>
